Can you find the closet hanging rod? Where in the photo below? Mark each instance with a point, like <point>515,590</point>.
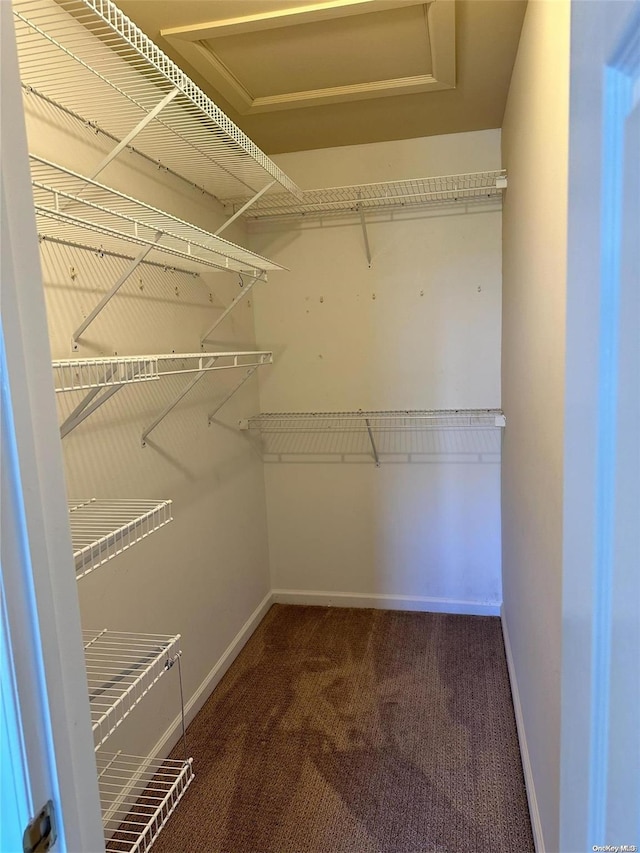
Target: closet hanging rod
<point>122,668</point>
<point>87,56</point>
<point>103,252</point>
<point>103,528</point>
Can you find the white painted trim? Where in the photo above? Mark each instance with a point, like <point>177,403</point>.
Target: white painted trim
<point>192,42</point>
<point>386,602</point>
<point>174,732</point>
<point>534,812</point>
<point>276,18</point>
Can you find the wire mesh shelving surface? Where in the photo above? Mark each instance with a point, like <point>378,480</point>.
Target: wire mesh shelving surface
<point>121,669</point>
<point>70,207</point>
<point>89,58</point>
<point>477,187</point>
<point>357,421</point>
<point>75,374</point>
<point>392,436</point>
<point>101,529</point>
<point>138,796</point>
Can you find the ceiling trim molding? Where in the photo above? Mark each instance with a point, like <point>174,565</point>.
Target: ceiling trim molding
<point>189,42</point>
<point>282,18</point>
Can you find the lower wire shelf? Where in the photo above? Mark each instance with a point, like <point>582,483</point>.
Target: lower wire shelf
<point>138,796</point>
<point>121,669</point>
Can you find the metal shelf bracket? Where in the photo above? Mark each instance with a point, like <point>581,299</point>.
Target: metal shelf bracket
<point>363,223</point>
<point>169,408</point>
<point>108,296</point>
<point>89,404</point>
<point>373,444</point>
<point>149,117</point>
<point>247,375</point>
<point>243,293</point>
<point>206,365</point>
<point>244,207</point>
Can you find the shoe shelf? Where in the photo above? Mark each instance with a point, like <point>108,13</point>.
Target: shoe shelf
<point>101,529</point>
<point>121,669</point>
<point>138,796</point>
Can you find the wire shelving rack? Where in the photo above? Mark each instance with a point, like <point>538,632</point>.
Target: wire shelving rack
<point>374,433</point>
<point>138,797</point>
<point>476,187</point>
<point>73,208</point>
<point>76,374</point>
<point>101,529</point>
<point>121,669</point>
<point>88,58</point>
<point>397,419</point>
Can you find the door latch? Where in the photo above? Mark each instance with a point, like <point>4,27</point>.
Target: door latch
<point>40,834</point>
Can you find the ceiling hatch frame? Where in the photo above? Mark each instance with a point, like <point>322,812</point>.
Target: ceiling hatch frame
<point>190,40</point>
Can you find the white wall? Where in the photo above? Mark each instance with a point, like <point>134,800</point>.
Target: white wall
<point>420,329</point>
<point>204,574</point>
<point>535,152</point>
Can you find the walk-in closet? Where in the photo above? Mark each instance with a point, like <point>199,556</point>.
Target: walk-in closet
<point>293,554</point>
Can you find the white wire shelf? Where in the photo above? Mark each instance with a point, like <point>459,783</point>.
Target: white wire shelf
<point>357,421</point>
<point>87,57</point>
<point>70,207</point>
<point>138,796</point>
<point>476,187</point>
<point>75,374</point>
<point>409,435</point>
<point>101,529</point>
<point>121,669</point>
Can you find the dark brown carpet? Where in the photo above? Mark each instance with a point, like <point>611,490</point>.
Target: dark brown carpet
<point>353,731</point>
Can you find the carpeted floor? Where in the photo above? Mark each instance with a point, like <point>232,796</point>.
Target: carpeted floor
<point>353,731</point>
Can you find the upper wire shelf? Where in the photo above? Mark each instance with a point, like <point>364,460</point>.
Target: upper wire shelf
<point>75,374</point>
<point>354,435</point>
<point>392,420</point>
<point>102,529</point>
<point>121,669</point>
<point>138,796</point>
<point>87,57</point>
<point>70,207</point>
<point>477,187</point>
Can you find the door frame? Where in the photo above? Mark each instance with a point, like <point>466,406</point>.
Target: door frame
<point>38,577</point>
<point>601,490</point>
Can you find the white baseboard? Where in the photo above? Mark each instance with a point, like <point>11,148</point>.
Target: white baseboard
<point>385,602</point>
<point>536,823</point>
<point>174,732</point>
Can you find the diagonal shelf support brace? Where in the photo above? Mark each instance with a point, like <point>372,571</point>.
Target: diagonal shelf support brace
<point>133,133</point>
<point>89,404</point>
<point>373,444</point>
<point>116,287</point>
<point>244,207</point>
<point>244,292</point>
<point>363,223</point>
<point>171,406</point>
<point>228,396</point>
